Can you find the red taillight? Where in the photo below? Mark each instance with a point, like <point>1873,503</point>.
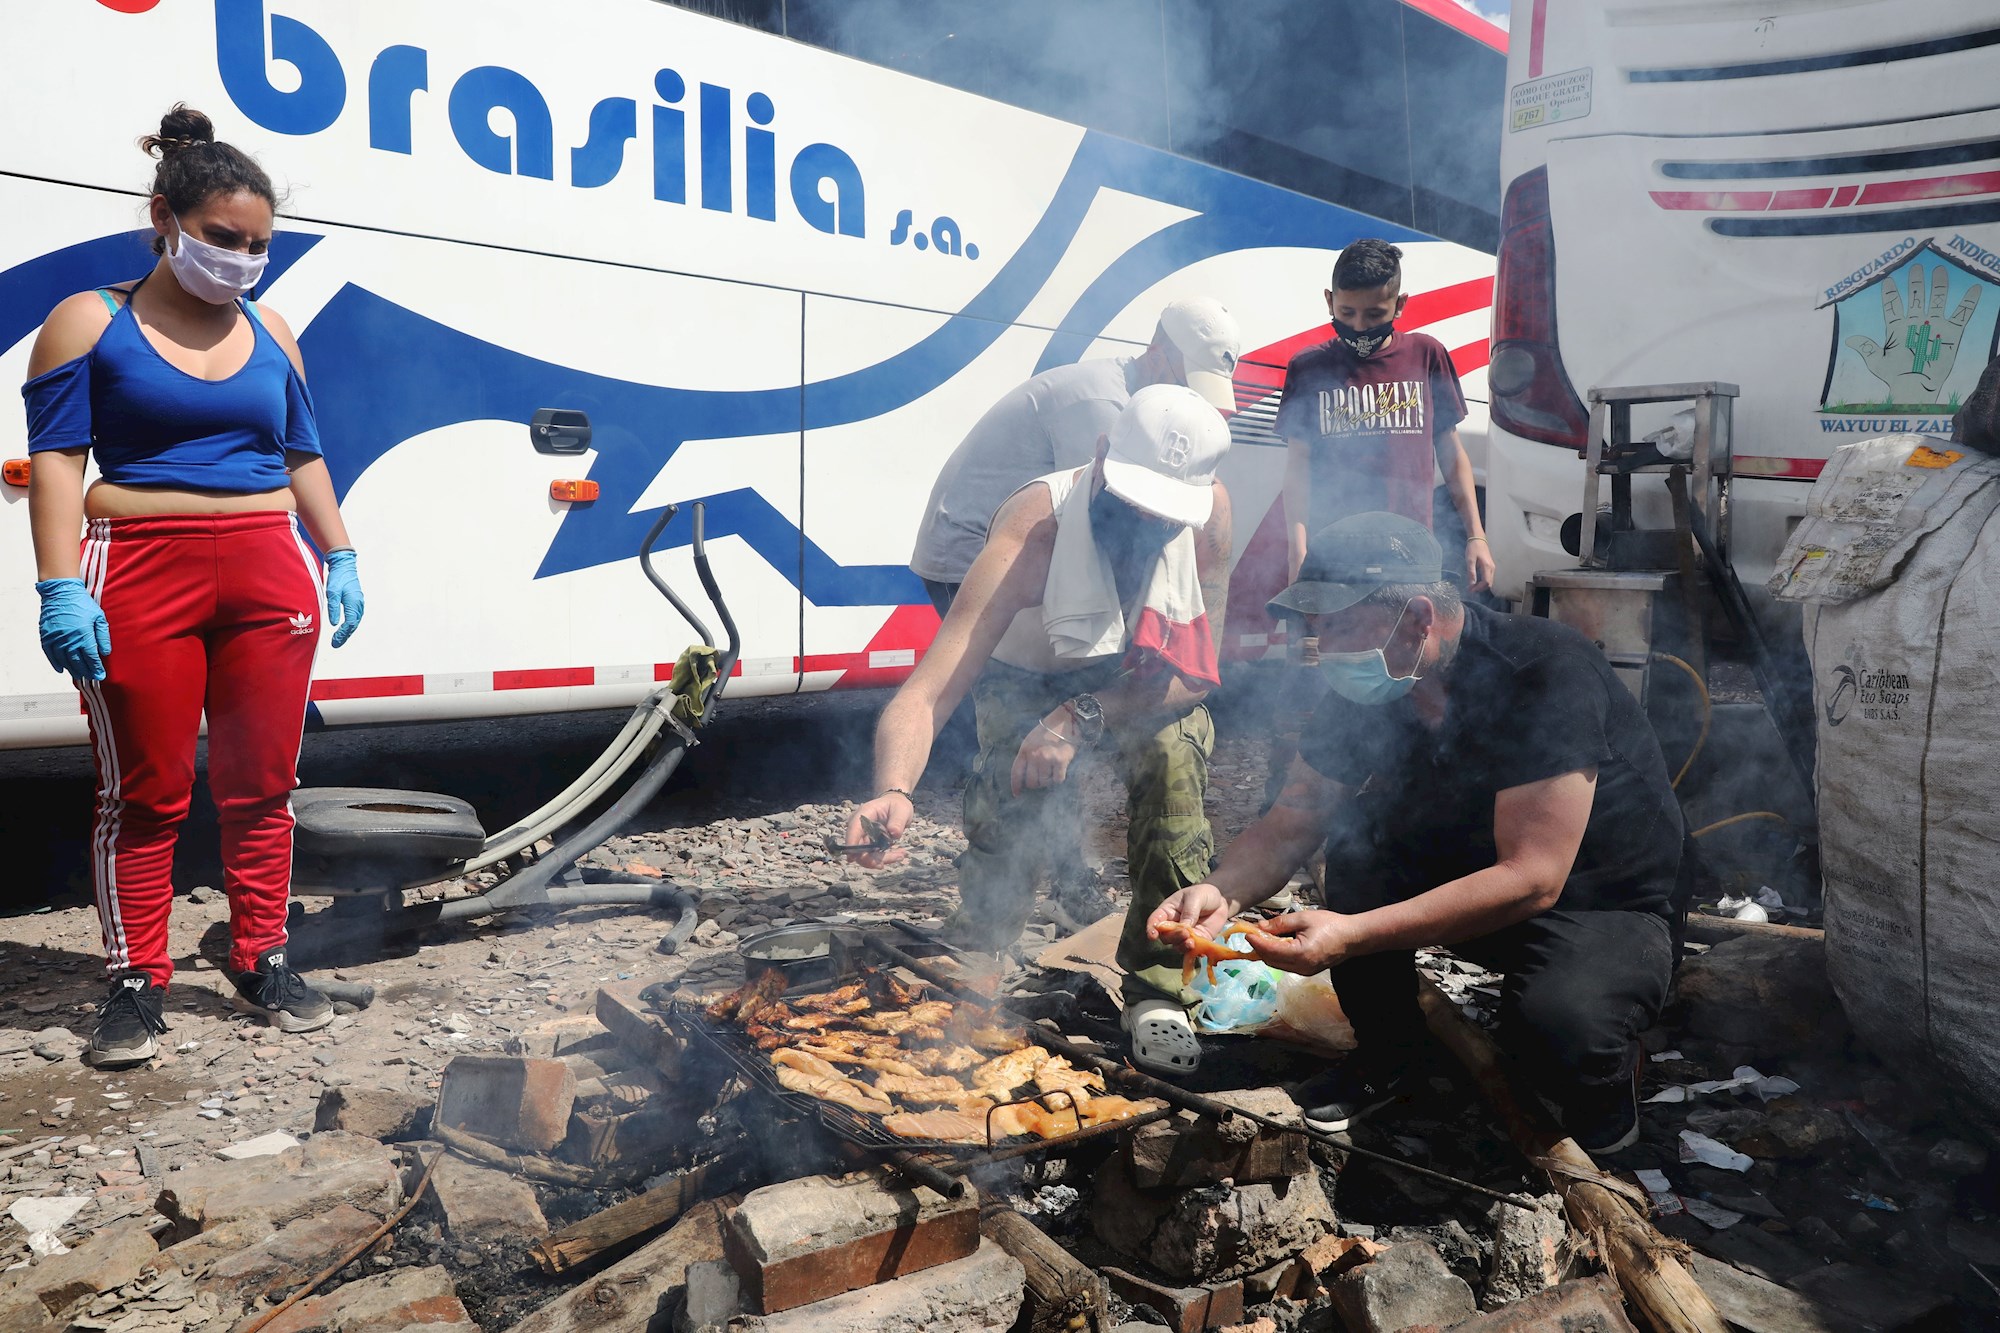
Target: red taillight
<point>1531,391</point>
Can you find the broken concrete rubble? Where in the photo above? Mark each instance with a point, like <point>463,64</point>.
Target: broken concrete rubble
<point>404,1299</point>
<point>326,1171</point>
<point>109,1259</point>
<point>1213,1231</point>
<point>389,1115</point>
<point>1530,1251</point>
<point>1189,1150</point>
<point>1406,1286</point>
<point>482,1205</point>
<point>272,1266</point>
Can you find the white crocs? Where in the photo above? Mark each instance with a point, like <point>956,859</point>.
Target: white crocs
<point>1163,1040</point>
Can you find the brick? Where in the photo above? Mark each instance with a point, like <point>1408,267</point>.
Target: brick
<point>398,1300</point>
<point>558,1036</point>
<point>637,1027</point>
<point>481,1204</point>
<point>389,1115</point>
<point>326,1171</point>
<point>1188,1150</point>
<point>1405,1286</point>
<point>977,1293</point>
<point>1588,1305</point>
<point>515,1101</point>
<point>1186,1309</point>
<point>818,1236</point>
<point>608,1134</point>
<point>108,1259</point>
<point>282,1260</point>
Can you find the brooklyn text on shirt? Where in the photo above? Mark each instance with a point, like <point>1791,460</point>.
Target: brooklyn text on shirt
<point>1398,405</point>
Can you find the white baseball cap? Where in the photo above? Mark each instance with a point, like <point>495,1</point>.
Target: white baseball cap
<point>1205,334</point>
<point>1162,455</point>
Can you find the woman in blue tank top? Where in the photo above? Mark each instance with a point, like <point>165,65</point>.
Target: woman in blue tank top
<point>194,590</point>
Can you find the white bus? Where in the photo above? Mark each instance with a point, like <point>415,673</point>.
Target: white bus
<point>777,279</point>
<point>1795,196</point>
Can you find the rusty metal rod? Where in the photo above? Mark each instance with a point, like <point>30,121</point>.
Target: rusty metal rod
<point>1171,1093</point>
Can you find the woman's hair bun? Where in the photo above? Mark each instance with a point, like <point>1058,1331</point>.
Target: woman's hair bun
<point>181,128</point>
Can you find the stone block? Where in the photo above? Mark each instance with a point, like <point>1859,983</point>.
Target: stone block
<point>283,1259</point>
<point>714,1297</point>
<point>815,1237</point>
<point>1529,1250</point>
<point>1186,1309</point>
<point>108,1259</point>
<point>516,1101</point>
<point>1188,1150</point>
<point>1406,1286</point>
<point>557,1036</point>
<point>1769,995</point>
<point>317,1176</point>
<point>1215,1231</point>
<point>980,1292</point>
<point>637,1027</point>
<point>400,1300</point>
<point>21,1312</point>
<point>1588,1305</point>
<point>202,1251</point>
<point>389,1115</point>
<point>484,1205</point>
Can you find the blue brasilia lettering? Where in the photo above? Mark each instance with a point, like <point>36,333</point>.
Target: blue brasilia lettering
<point>826,188</point>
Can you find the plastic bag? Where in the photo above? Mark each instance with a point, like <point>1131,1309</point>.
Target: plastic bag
<point>1309,1013</point>
<point>1243,996</point>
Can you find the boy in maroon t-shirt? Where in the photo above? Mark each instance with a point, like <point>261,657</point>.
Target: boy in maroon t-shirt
<point>1367,415</point>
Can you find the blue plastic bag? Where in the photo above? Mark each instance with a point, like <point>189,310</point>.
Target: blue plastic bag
<point>1243,995</point>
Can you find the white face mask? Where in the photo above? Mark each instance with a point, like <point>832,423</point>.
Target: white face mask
<point>210,272</point>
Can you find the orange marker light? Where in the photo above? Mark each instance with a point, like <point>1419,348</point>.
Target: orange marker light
<point>576,492</point>
<point>15,471</point>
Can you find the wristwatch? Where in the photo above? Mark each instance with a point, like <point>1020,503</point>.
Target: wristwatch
<point>1089,715</point>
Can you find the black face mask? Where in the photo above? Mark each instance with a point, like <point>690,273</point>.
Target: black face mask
<point>1132,541</point>
<point>1364,342</point>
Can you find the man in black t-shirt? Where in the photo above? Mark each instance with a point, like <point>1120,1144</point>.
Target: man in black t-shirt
<point>1482,782</point>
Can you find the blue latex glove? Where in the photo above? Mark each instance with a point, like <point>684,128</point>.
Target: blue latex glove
<point>75,635</point>
<point>344,602</point>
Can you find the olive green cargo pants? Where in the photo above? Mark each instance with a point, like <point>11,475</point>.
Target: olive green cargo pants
<point>1009,838</point>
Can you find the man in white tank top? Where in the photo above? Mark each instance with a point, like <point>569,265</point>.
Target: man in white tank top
<point>1092,617</point>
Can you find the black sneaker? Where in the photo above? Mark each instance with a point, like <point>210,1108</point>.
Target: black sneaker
<point>129,1024</point>
<point>1603,1119</point>
<point>1078,902</point>
<point>1352,1091</point>
<point>280,996</point>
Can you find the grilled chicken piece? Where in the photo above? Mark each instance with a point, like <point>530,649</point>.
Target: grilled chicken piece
<point>751,996</point>
<point>955,1097</point>
<point>800,1072</point>
<point>889,993</point>
<point>810,1022</point>
<point>945,1059</point>
<point>1058,1075</point>
<point>1098,1110</point>
<point>996,1040</point>
<point>940,1126</point>
<point>1004,1073</point>
<point>1027,1118</point>
<point>909,1022</point>
<point>849,999</point>
<point>904,1085</point>
<point>881,1064</point>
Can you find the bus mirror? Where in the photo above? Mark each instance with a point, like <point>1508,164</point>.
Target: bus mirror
<point>557,430</point>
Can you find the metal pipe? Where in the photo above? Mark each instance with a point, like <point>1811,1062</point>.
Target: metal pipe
<point>1172,1093</point>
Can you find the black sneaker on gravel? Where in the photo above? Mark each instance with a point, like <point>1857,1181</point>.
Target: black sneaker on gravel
<point>129,1024</point>
<point>1352,1091</point>
<point>280,996</point>
<point>1603,1119</point>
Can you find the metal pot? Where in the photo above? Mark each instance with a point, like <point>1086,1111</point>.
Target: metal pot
<point>808,952</point>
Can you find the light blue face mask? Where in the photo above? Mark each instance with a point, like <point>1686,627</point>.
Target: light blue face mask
<point>1364,677</point>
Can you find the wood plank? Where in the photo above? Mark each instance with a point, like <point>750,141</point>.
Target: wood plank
<point>632,1296</point>
<point>1064,1295</point>
<point>580,1242</point>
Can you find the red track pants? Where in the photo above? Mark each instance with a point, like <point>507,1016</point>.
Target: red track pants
<point>214,613</point>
